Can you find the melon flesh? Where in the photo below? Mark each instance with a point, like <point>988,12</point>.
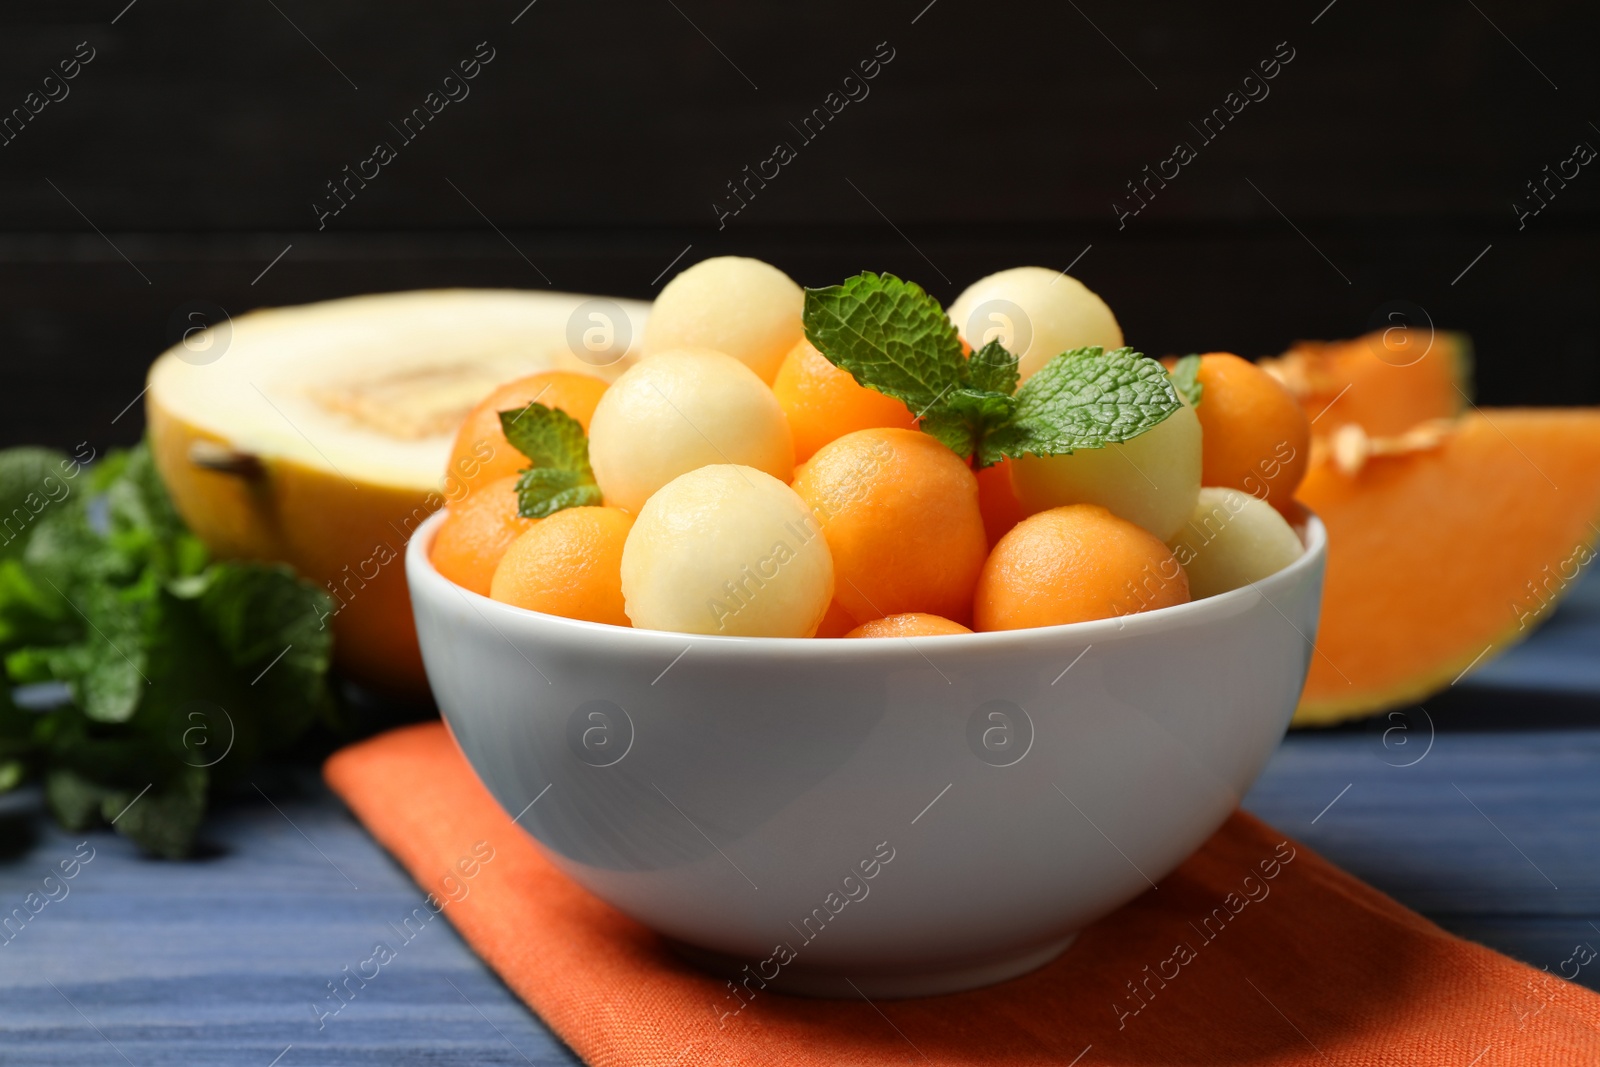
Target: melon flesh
<point>1232,540</point>
<point>1442,556</point>
<point>370,388</point>
<point>319,436</point>
<point>1385,382</point>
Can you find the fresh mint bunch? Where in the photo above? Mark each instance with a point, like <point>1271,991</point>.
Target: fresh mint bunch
<point>179,671</point>
<point>893,337</point>
<point>554,443</point>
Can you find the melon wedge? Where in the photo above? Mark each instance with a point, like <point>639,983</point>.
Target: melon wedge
<point>1445,548</point>
<point>1385,382</point>
<point>319,436</point>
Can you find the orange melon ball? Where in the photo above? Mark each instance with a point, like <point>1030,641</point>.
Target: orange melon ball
<point>900,514</point>
<point>481,452</point>
<point>1255,436</point>
<point>1073,564</point>
<point>569,564</point>
<point>998,501</point>
<point>823,402</point>
<point>911,624</point>
<point>476,532</point>
<point>836,623</point>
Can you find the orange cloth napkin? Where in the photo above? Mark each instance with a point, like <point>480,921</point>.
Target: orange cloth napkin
<point>1307,966</point>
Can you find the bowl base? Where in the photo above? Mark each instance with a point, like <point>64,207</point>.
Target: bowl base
<point>798,980</point>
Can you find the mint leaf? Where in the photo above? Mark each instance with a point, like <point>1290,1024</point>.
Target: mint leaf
<point>105,666</point>
<point>560,476</point>
<point>992,369</point>
<point>1185,375</point>
<point>73,799</point>
<point>68,550</point>
<point>164,820</point>
<point>158,807</point>
<point>141,520</point>
<point>549,437</point>
<point>1086,398</point>
<point>951,430</point>
<point>30,481</point>
<point>965,420</point>
<point>890,335</point>
<point>543,491</point>
<point>30,614</point>
<point>16,741</point>
<point>270,625</point>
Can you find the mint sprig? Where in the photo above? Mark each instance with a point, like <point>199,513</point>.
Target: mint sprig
<point>1186,379</point>
<point>893,337</point>
<point>968,416</point>
<point>967,419</point>
<point>554,443</point>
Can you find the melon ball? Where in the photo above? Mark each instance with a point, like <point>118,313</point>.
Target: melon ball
<point>680,410</point>
<point>1152,479</point>
<point>749,309</point>
<point>1232,540</point>
<point>1037,313</point>
<point>727,549</point>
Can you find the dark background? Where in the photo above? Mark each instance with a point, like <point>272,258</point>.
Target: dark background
<point>601,134</point>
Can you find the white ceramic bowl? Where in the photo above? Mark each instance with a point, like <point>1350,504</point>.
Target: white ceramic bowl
<point>915,816</point>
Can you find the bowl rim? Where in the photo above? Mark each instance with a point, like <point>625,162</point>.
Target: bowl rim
<point>1311,531</point>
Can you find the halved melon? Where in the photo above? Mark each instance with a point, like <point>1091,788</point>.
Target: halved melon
<point>319,436</point>
<point>1444,547</point>
<point>1385,382</point>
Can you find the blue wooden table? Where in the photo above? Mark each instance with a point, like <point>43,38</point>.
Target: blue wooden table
<point>1482,812</point>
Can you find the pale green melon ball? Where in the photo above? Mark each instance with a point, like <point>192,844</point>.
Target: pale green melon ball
<point>1042,310</point>
<point>1232,540</point>
<point>1152,479</point>
<point>675,411</point>
<point>727,549</point>
<point>749,309</point>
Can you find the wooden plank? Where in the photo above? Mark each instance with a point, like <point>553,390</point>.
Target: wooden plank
<point>221,959</point>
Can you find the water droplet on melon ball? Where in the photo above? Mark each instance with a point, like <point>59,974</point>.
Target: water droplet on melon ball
<point>1152,479</point>
<point>676,411</point>
<point>727,549</point>
<point>1232,540</point>
<point>749,309</point>
<point>1037,313</point>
